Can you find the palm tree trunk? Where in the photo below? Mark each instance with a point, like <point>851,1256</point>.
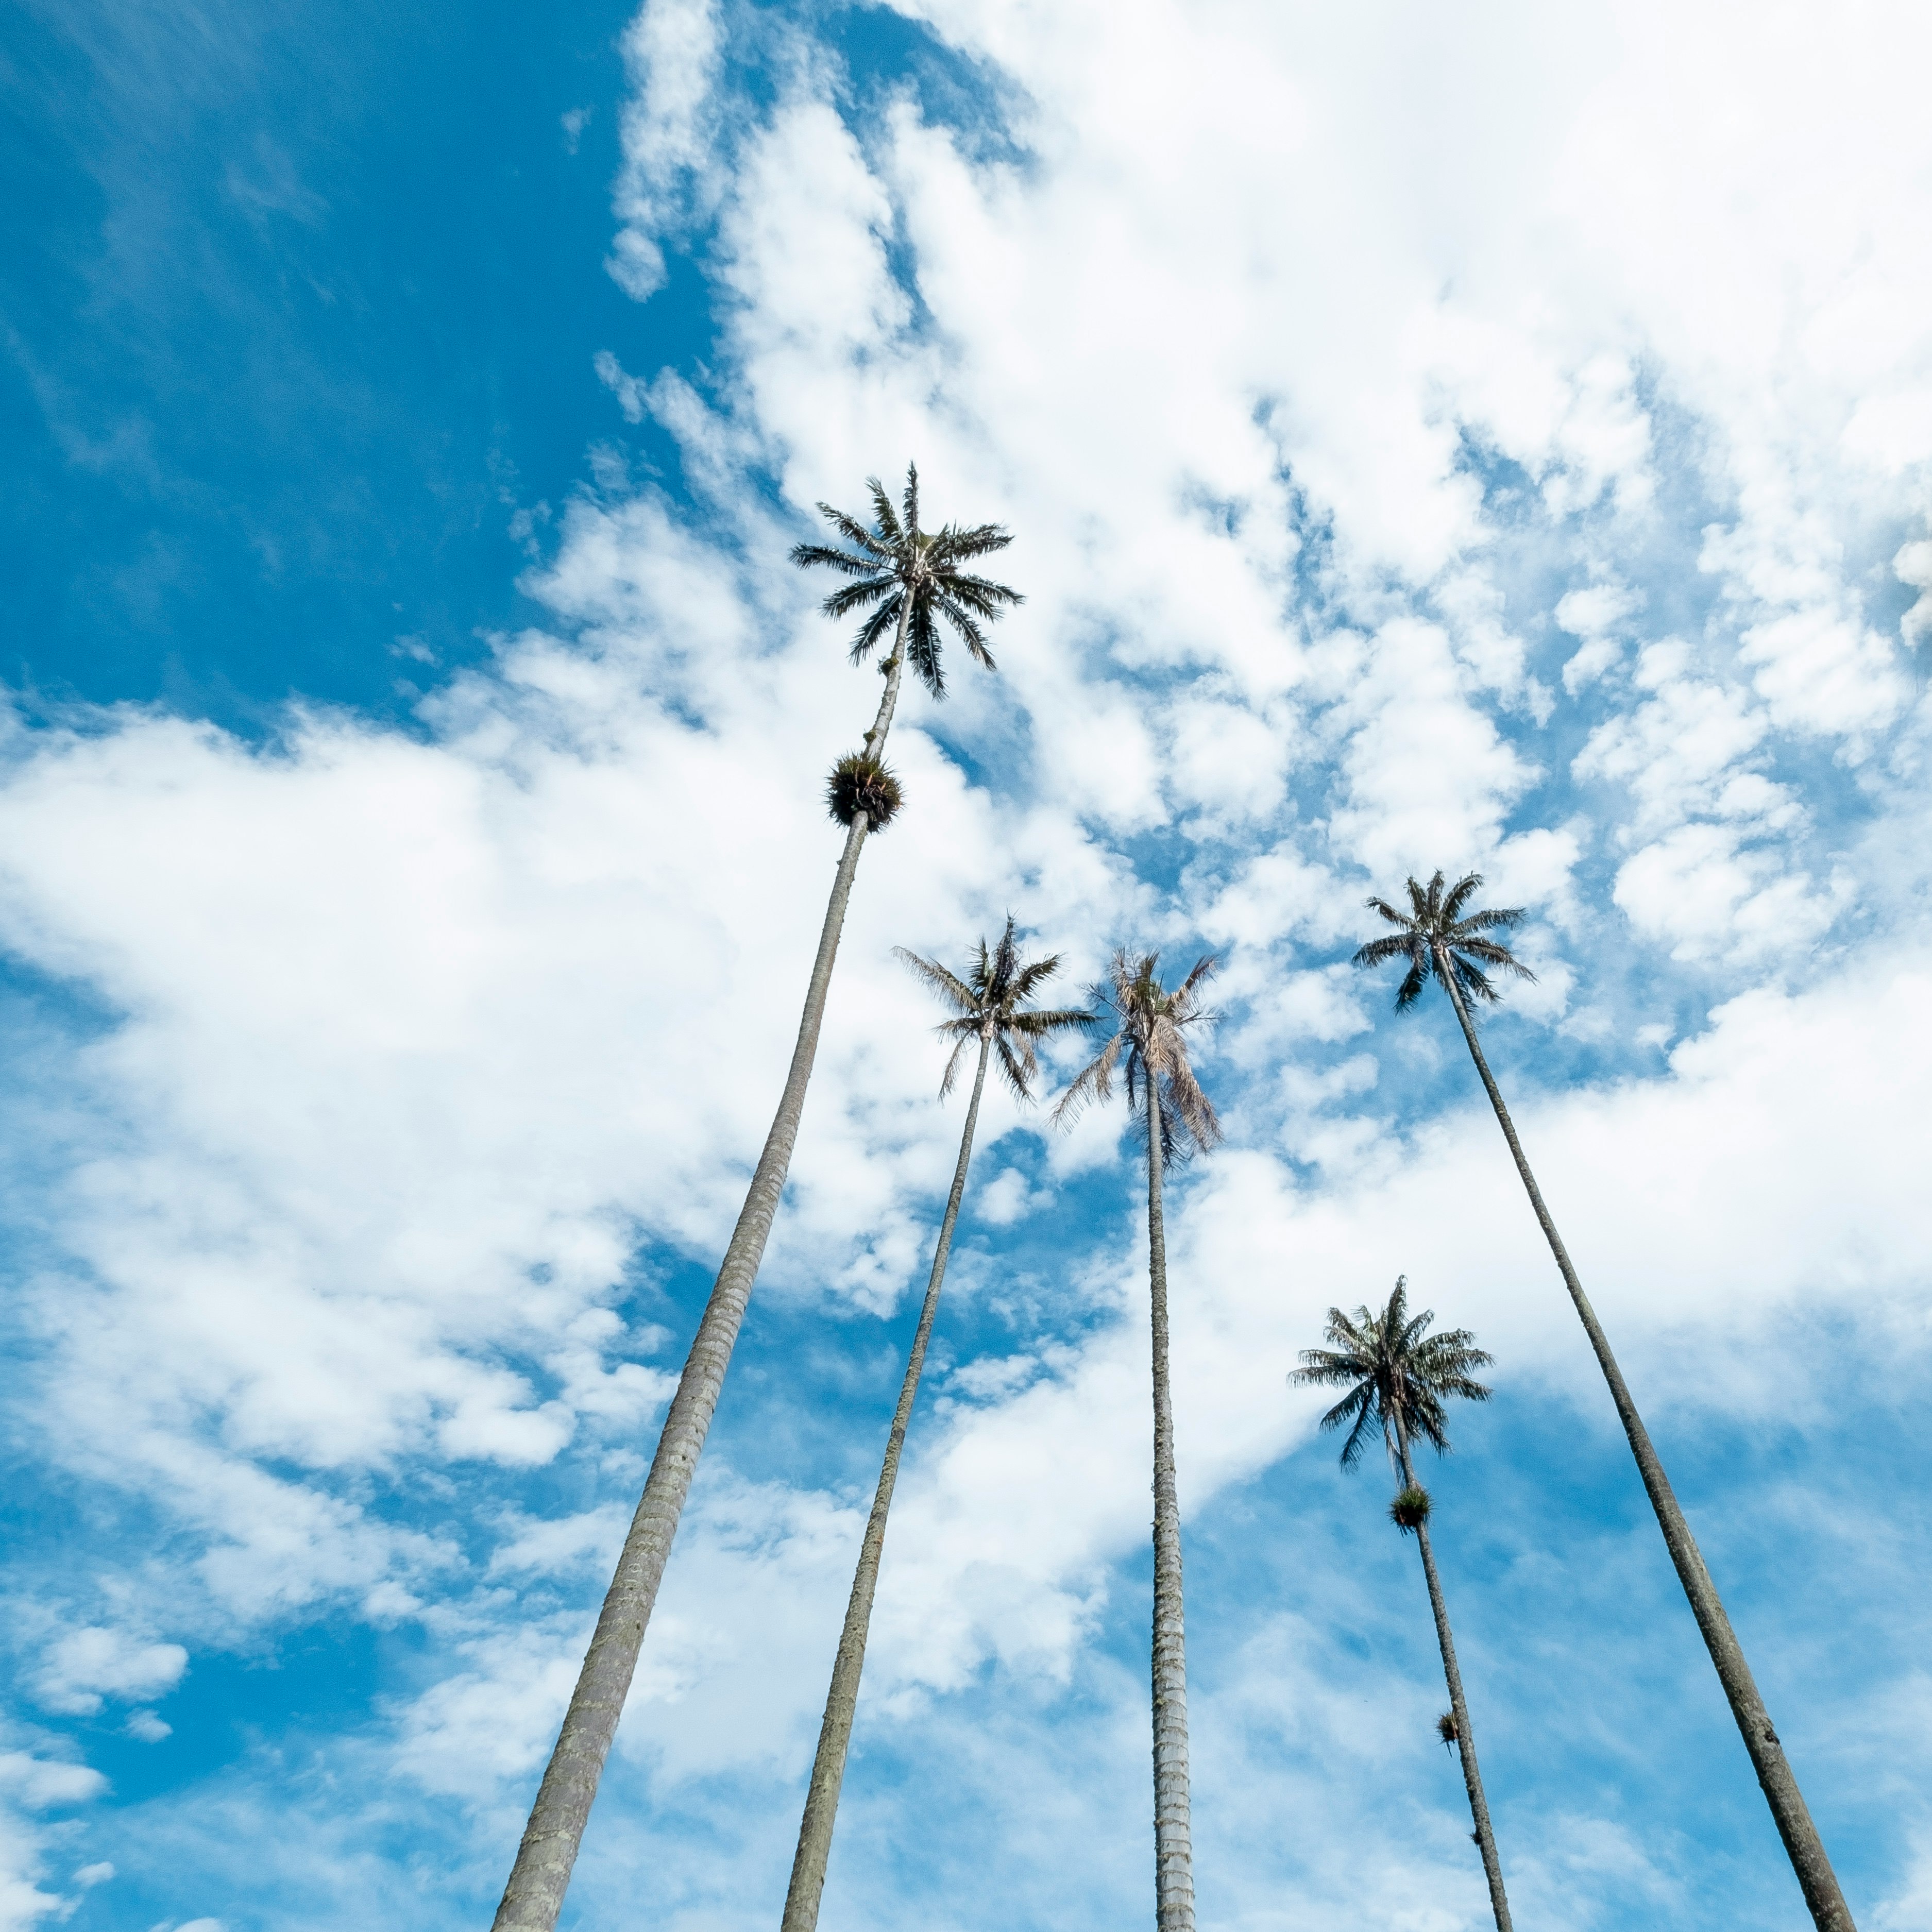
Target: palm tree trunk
<point>1173,1829</point>
<point>540,1875</point>
<point>1465,1742</point>
<point>1802,1843</point>
<point>841,1702</point>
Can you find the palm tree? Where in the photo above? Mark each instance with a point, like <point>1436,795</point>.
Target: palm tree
<point>1397,1376</point>
<point>991,1010</point>
<point>1441,940</point>
<point>1149,1031</point>
<point>906,578</point>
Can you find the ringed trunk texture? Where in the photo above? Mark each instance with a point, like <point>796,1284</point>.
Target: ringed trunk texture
<point>1465,1742</point>
<point>841,1702</point>
<point>1173,1825</point>
<point>1803,1845</point>
<point>545,1859</point>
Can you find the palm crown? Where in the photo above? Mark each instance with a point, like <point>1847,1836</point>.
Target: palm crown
<point>1396,1374</point>
<point>894,561</point>
<point>1149,1032</point>
<point>991,1004</point>
<point>1438,939</point>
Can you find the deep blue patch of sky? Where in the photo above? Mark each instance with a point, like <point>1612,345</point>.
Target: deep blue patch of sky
<point>299,307</point>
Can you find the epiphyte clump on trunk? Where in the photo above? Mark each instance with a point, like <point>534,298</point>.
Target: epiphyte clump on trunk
<point>860,783</point>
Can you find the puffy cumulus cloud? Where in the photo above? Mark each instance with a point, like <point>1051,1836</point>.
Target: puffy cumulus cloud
<point>405,1238</point>
<point>89,1663</point>
<point>33,1788</point>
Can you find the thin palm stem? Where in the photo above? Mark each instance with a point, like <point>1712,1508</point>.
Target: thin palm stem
<point>1174,1849</point>
<point>1805,1848</point>
<point>841,1702</point>
<point>1465,1742</point>
<point>547,1855</point>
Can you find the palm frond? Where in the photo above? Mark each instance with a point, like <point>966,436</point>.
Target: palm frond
<point>1496,916</point>
<point>1205,968</point>
<point>1491,954</point>
<point>1398,1375</point>
<point>1378,952</point>
<point>954,543</point>
<point>856,533</point>
<point>1192,1108</point>
<point>1024,979</point>
<point>979,594</point>
<point>852,597</point>
<point>884,619</point>
<point>923,647</point>
<point>969,633</point>
<point>1039,1024</point>
<point>1019,1068</point>
<point>810,556</point>
<point>947,985</point>
<point>1410,991</point>
<point>958,1054</point>
<point>1459,895</point>
<point>1094,1081</point>
<point>884,515</point>
<point>912,497</point>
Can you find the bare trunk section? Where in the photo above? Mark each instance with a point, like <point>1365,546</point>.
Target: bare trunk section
<point>1465,1742</point>
<point>1173,1826</point>
<point>1806,1849</point>
<point>841,1702</point>
<point>545,1859</point>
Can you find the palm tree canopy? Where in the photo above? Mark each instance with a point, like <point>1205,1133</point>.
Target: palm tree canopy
<point>1392,1368</point>
<point>1149,1033</point>
<point>893,560</point>
<point>1437,937</point>
<point>990,1003</point>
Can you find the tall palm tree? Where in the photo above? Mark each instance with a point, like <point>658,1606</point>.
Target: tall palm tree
<point>1397,1376</point>
<point>990,1008</point>
<point>906,578</point>
<point>1149,1025</point>
<point>1441,940</point>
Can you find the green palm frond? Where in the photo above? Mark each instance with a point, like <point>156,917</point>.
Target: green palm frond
<point>890,533</point>
<point>1397,1375</point>
<point>894,560</point>
<point>1440,944</point>
<point>991,1005</point>
<point>956,545</point>
<point>856,596</point>
<point>881,623</point>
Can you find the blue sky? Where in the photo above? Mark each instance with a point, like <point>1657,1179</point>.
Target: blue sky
<point>1495,443</point>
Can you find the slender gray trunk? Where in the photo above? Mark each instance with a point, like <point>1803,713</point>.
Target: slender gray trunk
<point>841,1702</point>
<point>540,1875</point>
<point>1173,1825</point>
<point>1465,1742</point>
<point>1802,1843</point>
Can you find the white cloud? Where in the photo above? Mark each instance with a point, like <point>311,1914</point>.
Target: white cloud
<point>91,1663</point>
